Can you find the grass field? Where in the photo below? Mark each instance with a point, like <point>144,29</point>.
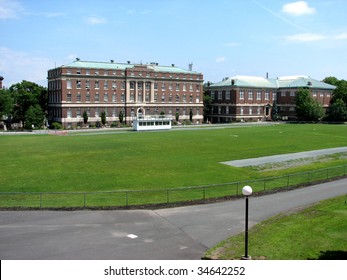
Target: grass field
<point>154,160</point>
<point>317,232</point>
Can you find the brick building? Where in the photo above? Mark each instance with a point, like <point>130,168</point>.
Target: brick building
<point>112,87</point>
<point>243,98</point>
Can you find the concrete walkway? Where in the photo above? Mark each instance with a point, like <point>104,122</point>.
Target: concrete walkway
<point>163,234</point>
<point>284,157</point>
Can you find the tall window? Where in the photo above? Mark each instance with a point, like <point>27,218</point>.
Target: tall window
<point>267,96</point>
<point>258,95</point>
<point>250,95</point>
<point>96,84</point>
<point>68,84</point>
<point>242,95</point>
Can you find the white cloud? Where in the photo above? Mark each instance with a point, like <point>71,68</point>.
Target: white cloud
<point>341,36</point>
<point>311,37</point>
<point>220,59</point>
<point>95,20</point>
<point>306,37</point>
<point>298,8</point>
<point>10,9</point>
<point>16,66</point>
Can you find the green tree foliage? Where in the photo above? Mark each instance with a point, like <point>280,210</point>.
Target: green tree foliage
<point>337,111</point>
<point>103,117</point>
<point>207,104</point>
<point>338,105</point>
<point>85,117</point>
<point>331,80</point>
<point>307,109</point>
<point>121,116</point>
<point>274,112</point>
<point>26,95</point>
<point>34,117</point>
<point>6,104</point>
<point>340,92</point>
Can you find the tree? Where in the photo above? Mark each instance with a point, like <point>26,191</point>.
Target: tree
<point>338,104</point>
<point>340,92</point>
<point>85,117</point>
<point>337,111</point>
<point>34,117</point>
<point>121,116</point>
<point>103,118</point>
<point>191,115</point>
<point>274,112</point>
<point>207,105</point>
<point>27,94</point>
<point>6,103</point>
<point>307,109</point>
<point>331,80</point>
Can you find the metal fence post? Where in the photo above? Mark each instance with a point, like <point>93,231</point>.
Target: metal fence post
<point>288,181</point>
<point>126,199</point>
<point>204,193</point>
<point>167,196</point>
<point>40,200</point>
<point>84,200</point>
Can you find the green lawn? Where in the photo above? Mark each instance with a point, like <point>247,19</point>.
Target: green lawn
<point>318,232</point>
<point>154,160</point>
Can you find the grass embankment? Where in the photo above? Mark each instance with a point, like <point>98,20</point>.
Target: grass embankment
<point>318,232</point>
<point>154,160</point>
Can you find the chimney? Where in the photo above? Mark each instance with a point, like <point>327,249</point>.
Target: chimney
<point>112,60</point>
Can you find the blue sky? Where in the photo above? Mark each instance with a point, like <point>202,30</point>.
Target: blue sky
<point>222,38</point>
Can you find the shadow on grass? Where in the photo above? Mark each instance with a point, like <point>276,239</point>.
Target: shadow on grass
<point>332,255</point>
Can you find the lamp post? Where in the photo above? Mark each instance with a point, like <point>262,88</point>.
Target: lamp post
<point>246,191</point>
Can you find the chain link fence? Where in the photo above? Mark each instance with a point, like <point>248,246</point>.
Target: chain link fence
<point>146,198</point>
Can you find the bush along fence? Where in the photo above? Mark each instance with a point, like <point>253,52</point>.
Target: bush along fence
<point>162,197</point>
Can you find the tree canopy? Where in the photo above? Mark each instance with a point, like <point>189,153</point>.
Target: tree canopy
<point>338,105</point>
<point>25,103</point>
<point>307,109</point>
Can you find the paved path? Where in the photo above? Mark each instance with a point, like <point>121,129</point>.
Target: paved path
<point>284,157</point>
<point>173,233</point>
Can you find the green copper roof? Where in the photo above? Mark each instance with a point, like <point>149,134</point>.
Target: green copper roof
<point>280,82</point>
<point>123,66</point>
